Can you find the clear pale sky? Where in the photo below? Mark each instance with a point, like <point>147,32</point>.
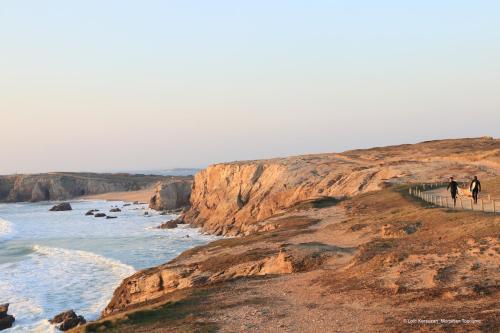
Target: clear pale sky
<point>109,85</point>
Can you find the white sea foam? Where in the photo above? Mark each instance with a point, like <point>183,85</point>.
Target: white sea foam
<point>40,287</point>
<point>6,229</point>
<point>84,256</point>
<point>51,262</point>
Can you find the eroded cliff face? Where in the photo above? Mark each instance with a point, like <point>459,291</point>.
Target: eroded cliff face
<point>223,260</point>
<point>231,198</point>
<point>171,194</point>
<point>284,207</point>
<point>63,186</point>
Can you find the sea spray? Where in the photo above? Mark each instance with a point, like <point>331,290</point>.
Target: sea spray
<point>6,230</point>
<point>52,262</point>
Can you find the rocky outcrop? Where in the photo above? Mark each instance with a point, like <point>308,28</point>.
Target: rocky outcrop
<point>115,210</point>
<point>222,261</point>
<point>61,207</point>
<point>64,186</point>
<point>230,198</point>
<point>168,225</point>
<point>67,320</point>
<point>256,198</point>
<point>171,194</point>
<point>6,320</point>
<point>99,215</point>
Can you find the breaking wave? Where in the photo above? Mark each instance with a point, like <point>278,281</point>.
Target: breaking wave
<point>41,286</point>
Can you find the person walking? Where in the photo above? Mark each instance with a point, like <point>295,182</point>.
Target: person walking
<point>475,188</point>
<point>453,188</point>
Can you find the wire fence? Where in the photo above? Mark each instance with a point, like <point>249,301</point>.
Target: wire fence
<point>428,193</point>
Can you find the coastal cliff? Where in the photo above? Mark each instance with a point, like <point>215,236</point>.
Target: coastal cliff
<point>232,198</point>
<point>291,219</point>
<point>63,186</point>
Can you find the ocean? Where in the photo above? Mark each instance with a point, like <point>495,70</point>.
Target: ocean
<point>54,261</point>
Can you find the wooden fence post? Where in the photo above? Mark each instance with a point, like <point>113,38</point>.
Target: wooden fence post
<point>494,211</point>
<point>482,205</point>
<point>471,204</point>
<point>461,204</point>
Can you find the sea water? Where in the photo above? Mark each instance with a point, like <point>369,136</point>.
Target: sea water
<point>54,261</point>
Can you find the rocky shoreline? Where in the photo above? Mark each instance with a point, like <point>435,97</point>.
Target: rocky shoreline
<point>59,186</point>
<point>324,221</point>
<point>259,200</point>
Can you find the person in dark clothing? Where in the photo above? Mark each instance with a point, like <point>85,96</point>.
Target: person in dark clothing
<point>453,187</point>
<point>475,188</point>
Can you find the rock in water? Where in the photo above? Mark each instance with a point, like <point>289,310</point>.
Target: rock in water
<point>100,215</point>
<point>115,210</point>
<point>90,212</point>
<point>67,320</point>
<point>6,320</point>
<point>61,207</point>
<point>168,225</point>
<point>4,308</point>
<point>111,217</point>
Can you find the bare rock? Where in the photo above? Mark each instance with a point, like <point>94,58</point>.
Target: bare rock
<point>111,217</point>
<point>100,215</point>
<point>115,210</point>
<point>91,212</point>
<point>168,225</point>
<point>6,320</point>
<point>3,309</point>
<point>171,195</point>
<point>61,207</point>
<point>67,320</point>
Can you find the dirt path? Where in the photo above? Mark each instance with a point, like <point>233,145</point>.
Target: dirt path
<point>441,197</point>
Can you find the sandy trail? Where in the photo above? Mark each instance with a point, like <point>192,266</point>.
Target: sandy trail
<point>442,197</point>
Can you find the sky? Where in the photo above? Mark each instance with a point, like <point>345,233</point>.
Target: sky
<point>113,85</point>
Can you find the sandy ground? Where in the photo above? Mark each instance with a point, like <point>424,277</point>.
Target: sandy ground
<point>129,196</point>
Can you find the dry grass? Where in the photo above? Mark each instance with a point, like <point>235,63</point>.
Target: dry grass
<point>411,260</point>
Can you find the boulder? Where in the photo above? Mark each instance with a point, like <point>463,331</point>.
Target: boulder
<point>4,308</point>
<point>171,195</point>
<point>91,212</point>
<point>67,320</point>
<point>61,207</point>
<point>111,217</point>
<point>168,225</point>
<point>100,215</point>
<point>115,210</point>
<point>6,320</point>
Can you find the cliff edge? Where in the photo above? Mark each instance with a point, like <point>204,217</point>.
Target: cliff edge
<point>231,198</point>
